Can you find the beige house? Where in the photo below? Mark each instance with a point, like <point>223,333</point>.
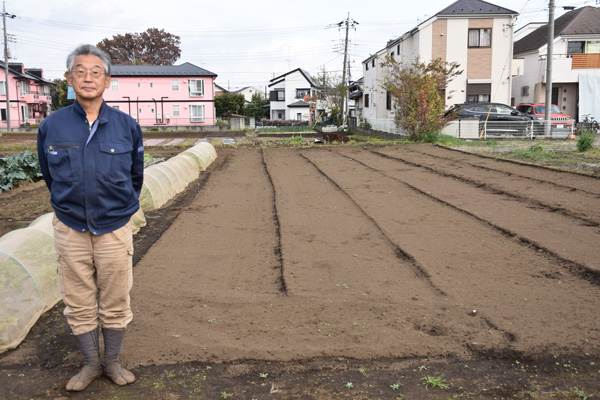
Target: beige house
<point>575,64</point>
<point>476,34</point>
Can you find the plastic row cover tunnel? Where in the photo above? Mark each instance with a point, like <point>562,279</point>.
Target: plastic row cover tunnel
<point>28,279</point>
<point>28,269</point>
<point>163,181</point>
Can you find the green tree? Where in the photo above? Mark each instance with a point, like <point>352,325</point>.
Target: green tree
<point>417,90</point>
<point>151,47</point>
<point>58,92</point>
<point>256,107</point>
<point>229,103</point>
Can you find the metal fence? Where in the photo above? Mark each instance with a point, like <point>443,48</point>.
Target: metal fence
<point>473,129</point>
<point>476,129</point>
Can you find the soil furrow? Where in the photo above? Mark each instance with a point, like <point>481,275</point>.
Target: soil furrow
<point>400,253</point>
<point>524,229</point>
<point>471,261</point>
<point>584,183</point>
<point>277,250</point>
<point>585,209</point>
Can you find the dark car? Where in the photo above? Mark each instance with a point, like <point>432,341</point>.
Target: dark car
<point>498,118</point>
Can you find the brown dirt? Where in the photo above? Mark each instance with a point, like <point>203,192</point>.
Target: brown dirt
<point>288,273</point>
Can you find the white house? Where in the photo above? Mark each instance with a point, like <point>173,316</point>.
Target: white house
<point>248,92</point>
<point>295,96</point>
<point>473,33</point>
<point>575,64</point>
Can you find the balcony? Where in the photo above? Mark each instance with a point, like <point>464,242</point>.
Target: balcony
<point>35,98</point>
<point>585,61</point>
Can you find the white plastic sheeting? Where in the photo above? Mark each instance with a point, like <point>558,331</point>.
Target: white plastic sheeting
<point>163,181</point>
<point>28,279</point>
<point>589,87</point>
<point>28,269</point>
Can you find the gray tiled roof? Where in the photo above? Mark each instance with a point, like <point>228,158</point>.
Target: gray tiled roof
<point>299,103</point>
<point>582,21</point>
<point>185,69</point>
<point>467,7</point>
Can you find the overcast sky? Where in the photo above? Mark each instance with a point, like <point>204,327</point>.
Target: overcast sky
<point>245,43</point>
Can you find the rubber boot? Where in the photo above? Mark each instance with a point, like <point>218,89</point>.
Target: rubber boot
<point>92,369</point>
<point>113,340</point>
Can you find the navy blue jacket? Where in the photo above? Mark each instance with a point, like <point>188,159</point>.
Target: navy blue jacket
<point>95,175</point>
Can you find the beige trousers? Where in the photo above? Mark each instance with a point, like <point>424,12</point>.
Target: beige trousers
<point>95,276</point>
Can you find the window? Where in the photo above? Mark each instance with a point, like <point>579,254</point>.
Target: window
<point>524,90</point>
<point>575,47</point>
<point>152,111</point>
<point>280,95</point>
<point>197,113</point>
<point>176,110</point>
<point>24,86</point>
<point>3,113</point>
<point>139,84</point>
<point>367,66</point>
<point>116,107</point>
<point>478,92</point>
<point>366,100</point>
<point>2,88</point>
<point>388,100</point>
<point>140,111</point>
<point>174,84</point>
<point>298,116</point>
<point>114,85</point>
<point>196,88</point>
<point>478,98</point>
<point>480,37</point>
<point>373,63</point>
<point>300,93</point>
<point>592,47</point>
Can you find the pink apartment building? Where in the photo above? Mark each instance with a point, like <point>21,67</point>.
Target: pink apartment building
<point>28,95</point>
<point>163,95</point>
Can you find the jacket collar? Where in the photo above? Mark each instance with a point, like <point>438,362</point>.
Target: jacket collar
<point>102,114</point>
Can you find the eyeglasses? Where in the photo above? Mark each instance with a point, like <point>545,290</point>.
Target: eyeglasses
<point>95,73</point>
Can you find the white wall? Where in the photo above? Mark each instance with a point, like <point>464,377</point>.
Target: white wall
<point>457,32</point>
<point>502,47</point>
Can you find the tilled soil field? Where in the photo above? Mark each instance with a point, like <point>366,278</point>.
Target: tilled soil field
<point>357,273</point>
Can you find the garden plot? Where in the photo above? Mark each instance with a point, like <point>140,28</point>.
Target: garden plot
<point>290,254</point>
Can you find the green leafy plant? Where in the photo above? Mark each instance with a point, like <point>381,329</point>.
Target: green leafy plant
<point>349,385</point>
<point>225,395</point>
<point>19,167</point>
<point>581,394</point>
<point>295,140</point>
<point>585,142</point>
<point>435,381</point>
<point>536,148</point>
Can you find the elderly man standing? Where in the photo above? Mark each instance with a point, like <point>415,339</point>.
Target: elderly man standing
<point>92,159</point>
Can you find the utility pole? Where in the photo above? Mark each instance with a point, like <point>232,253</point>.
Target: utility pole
<point>549,56</point>
<point>343,99</point>
<point>7,86</point>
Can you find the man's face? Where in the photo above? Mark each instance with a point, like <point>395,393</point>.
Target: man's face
<point>88,77</point>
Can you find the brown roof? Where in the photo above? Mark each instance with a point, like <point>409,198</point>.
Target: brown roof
<point>582,21</point>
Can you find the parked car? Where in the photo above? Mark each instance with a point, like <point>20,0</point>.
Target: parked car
<point>559,122</point>
<point>498,119</point>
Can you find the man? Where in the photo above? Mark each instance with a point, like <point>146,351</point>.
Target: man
<point>92,159</point>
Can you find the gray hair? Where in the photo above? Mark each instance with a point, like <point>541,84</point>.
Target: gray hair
<point>88,49</point>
